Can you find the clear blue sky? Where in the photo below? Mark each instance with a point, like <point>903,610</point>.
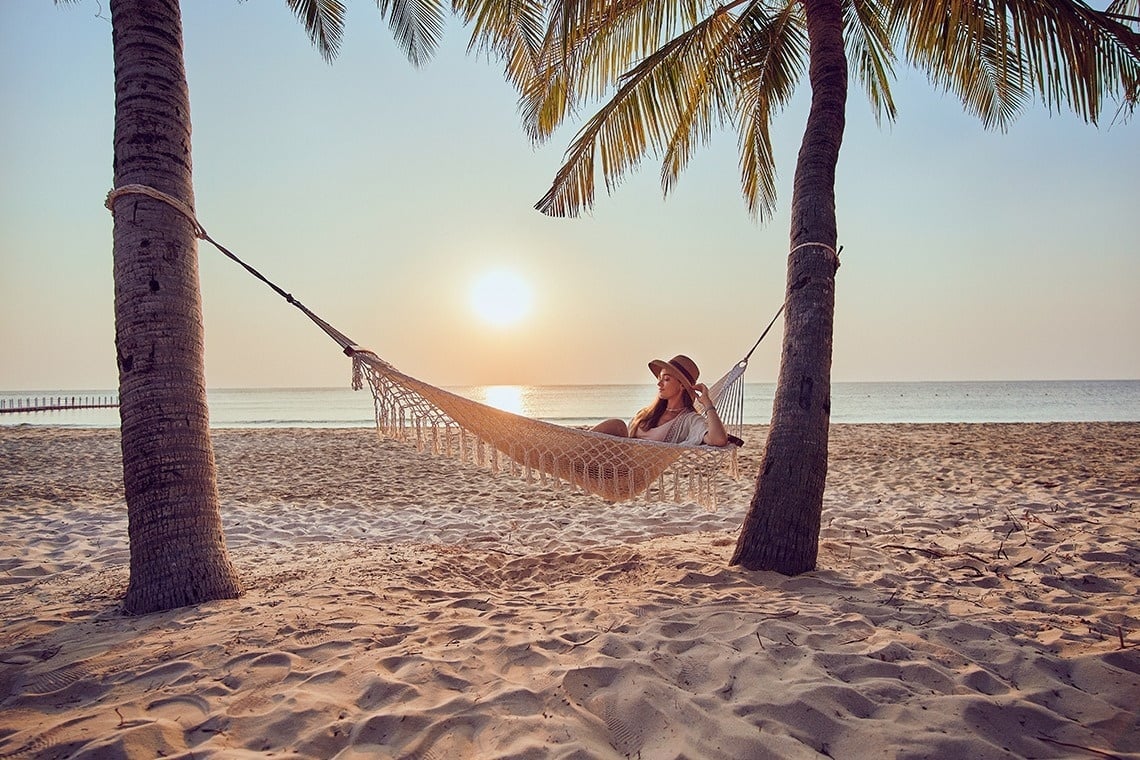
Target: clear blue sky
<point>378,193</point>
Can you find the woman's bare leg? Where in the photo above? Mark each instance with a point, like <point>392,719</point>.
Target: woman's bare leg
<point>613,427</point>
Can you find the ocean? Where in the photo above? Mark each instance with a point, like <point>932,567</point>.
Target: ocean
<point>880,402</point>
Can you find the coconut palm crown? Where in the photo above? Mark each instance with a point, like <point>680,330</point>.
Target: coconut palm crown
<point>677,71</point>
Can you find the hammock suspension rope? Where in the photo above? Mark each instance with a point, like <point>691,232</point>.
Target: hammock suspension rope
<point>451,425</point>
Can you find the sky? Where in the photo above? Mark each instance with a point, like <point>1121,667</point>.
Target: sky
<point>380,194</point>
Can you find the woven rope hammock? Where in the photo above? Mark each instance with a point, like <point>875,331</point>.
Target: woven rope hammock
<point>445,423</point>
<point>616,469</point>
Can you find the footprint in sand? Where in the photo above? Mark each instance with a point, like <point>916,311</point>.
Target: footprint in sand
<point>623,710</point>
<point>582,683</point>
<point>52,681</point>
<point>184,709</point>
<point>252,673</point>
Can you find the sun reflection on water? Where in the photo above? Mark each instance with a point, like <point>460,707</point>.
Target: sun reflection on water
<point>509,398</point>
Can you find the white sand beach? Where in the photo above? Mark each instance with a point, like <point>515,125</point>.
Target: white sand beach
<point>976,597</point>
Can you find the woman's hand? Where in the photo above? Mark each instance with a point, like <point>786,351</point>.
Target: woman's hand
<point>717,435</point>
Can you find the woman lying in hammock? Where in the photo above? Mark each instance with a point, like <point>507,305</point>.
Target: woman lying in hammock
<point>672,418</point>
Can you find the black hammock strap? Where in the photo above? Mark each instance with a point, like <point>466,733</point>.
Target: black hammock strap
<point>348,345</point>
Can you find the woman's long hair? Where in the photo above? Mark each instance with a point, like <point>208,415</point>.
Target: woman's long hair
<point>650,416</point>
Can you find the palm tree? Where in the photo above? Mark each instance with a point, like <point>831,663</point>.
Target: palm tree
<point>178,552</point>
<point>177,549</point>
<point>677,69</point>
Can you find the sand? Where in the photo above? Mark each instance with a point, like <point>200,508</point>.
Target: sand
<point>976,597</point>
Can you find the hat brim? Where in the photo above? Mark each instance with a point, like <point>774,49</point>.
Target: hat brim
<point>657,365</point>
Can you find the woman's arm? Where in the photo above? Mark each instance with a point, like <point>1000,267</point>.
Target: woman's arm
<point>717,435</point>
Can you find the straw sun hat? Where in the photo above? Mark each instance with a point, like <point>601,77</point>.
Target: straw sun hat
<point>681,367</point>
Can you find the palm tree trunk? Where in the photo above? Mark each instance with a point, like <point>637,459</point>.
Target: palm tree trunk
<point>781,529</point>
<point>178,552</point>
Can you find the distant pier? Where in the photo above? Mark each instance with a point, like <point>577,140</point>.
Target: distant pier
<point>55,403</point>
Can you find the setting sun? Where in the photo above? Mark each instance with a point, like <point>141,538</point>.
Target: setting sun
<point>501,297</point>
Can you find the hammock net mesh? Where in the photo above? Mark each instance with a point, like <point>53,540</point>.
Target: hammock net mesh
<point>616,469</point>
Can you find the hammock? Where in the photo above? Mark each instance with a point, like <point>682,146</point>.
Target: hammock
<point>616,469</point>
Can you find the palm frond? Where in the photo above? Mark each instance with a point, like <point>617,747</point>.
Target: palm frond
<point>995,54</point>
<point>416,24</point>
<point>769,67</point>
<point>546,100</point>
<point>590,45</point>
<point>961,48</point>
<point>993,81</point>
<point>757,164</point>
<point>324,21</point>
<point>648,108</point>
<point>512,31</point>
<point>701,95</point>
<point>869,53</point>
<point>1077,56</point>
<point>1127,11</point>
<point>623,33</point>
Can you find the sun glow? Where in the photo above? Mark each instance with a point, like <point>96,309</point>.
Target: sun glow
<point>500,298</point>
<point>505,397</point>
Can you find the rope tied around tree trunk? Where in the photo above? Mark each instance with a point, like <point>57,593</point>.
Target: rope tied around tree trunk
<point>348,345</point>
<point>834,253</point>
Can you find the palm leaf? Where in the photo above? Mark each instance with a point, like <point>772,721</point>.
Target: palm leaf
<point>645,113</point>
<point>513,31</point>
<point>768,69</point>
<point>416,24</point>
<point>869,53</point>
<point>324,21</point>
<point>1125,10</point>
<point>701,95</point>
<point>590,46</point>
<point>996,53</point>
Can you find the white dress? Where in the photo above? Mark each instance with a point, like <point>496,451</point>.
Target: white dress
<point>687,429</point>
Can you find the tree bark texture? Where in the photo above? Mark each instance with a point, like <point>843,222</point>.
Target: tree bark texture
<point>781,529</point>
<point>178,551</point>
